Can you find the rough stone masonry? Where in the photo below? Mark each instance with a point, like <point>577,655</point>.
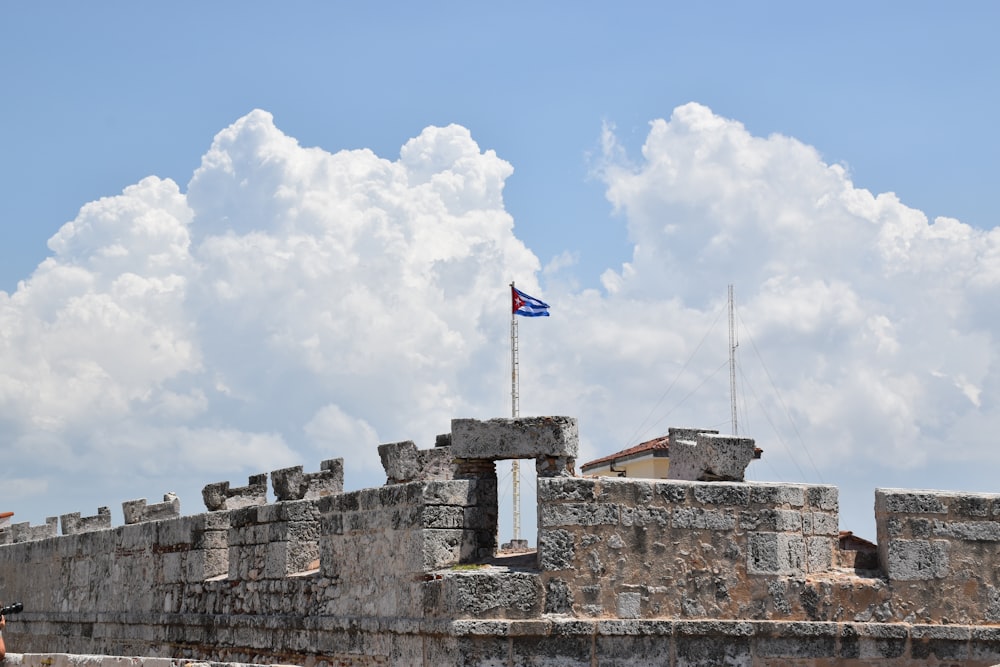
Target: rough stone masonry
<point>627,571</point>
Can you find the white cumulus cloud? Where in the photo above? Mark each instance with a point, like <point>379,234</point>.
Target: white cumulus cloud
<point>291,306</point>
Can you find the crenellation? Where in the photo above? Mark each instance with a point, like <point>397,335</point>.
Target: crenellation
<point>627,571</point>
<point>25,532</point>
<point>403,462</point>
<point>73,523</point>
<point>219,496</point>
<point>137,511</point>
<point>293,484</point>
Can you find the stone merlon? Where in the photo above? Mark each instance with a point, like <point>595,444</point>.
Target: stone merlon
<point>293,484</point>
<point>521,438</point>
<point>219,496</point>
<point>707,456</point>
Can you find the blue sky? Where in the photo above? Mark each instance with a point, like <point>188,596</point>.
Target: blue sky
<point>900,95</point>
<point>101,95</point>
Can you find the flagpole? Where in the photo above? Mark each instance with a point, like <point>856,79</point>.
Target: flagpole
<point>514,466</point>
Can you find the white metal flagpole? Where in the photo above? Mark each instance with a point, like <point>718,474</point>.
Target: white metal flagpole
<point>514,466</point>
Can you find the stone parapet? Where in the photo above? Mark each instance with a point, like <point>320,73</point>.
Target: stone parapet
<point>648,548</point>
<point>937,546</point>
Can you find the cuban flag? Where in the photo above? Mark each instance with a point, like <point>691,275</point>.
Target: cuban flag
<point>528,306</point>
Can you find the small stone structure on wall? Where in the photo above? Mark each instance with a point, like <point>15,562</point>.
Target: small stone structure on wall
<point>627,571</point>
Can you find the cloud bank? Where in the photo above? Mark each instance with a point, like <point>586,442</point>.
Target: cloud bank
<point>295,304</point>
<point>876,325</point>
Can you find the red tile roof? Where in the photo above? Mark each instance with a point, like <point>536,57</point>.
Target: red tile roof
<point>663,442</point>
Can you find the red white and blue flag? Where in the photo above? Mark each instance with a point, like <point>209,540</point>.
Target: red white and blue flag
<point>528,306</point>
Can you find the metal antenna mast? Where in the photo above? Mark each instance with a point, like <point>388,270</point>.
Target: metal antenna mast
<point>732,358</point>
<point>514,396</point>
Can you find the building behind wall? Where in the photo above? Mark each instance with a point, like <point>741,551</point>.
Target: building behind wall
<point>650,459</point>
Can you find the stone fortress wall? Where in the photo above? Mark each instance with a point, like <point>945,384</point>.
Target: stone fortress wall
<point>627,571</point>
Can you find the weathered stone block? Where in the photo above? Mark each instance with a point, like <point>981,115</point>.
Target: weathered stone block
<point>721,493</point>
<point>645,516</point>
<point>442,548</point>
<point>881,640</point>
<point>556,549</point>
<point>984,645</point>
<point>462,492</point>
<point>554,489</point>
<point>672,492</point>
<point>820,523</point>
<point>973,531</point>
<point>443,516</point>
<point>631,627</point>
<point>550,650</point>
<point>702,519</point>
<point>627,650</point>
<point>558,597</point>
<point>711,458</point>
<point>403,462</point>
<point>578,514</point>
<point>910,560</point>
<point>485,594</point>
<point>902,501</point>
<point>629,605</point>
<point>284,511</point>
<point>972,505</point>
<point>710,652</point>
<point>776,641</point>
<point>929,642</point>
<point>775,495</point>
<point>819,552</point>
<point>771,520</point>
<point>776,553</point>
<point>521,438</point>
<point>823,497</point>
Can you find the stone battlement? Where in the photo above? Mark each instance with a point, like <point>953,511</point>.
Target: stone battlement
<point>626,571</point>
